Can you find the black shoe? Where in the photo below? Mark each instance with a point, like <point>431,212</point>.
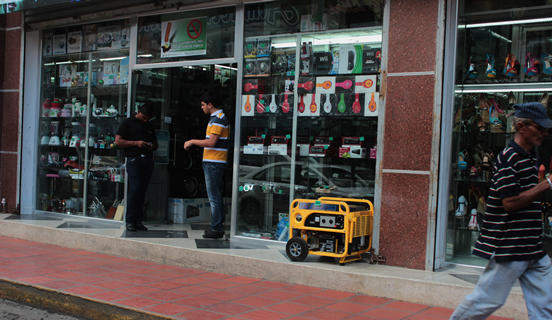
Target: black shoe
<point>213,234</point>
<point>130,227</point>
<point>141,227</point>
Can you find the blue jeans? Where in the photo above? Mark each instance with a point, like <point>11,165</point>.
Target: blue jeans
<point>497,279</point>
<point>213,178</point>
<point>138,170</point>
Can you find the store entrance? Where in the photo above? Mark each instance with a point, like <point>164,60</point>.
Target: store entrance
<point>177,194</point>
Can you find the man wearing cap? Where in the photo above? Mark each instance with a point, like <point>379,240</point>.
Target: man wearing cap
<point>511,233</point>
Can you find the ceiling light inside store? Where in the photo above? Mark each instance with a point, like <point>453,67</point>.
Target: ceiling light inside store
<point>145,55</point>
<point>487,90</point>
<point>503,23</point>
<point>362,39</point>
<point>284,44</point>
<point>225,67</point>
<point>500,37</point>
<point>333,40</point>
<point>112,59</point>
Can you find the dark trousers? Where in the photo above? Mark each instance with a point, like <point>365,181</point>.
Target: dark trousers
<point>138,170</point>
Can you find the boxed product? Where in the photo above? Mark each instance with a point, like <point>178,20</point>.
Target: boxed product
<point>279,63</point>
<point>89,40</point>
<point>250,67</point>
<point>59,44</point>
<point>263,66</point>
<point>371,108</point>
<point>47,44</point>
<point>350,59</point>
<point>67,72</point>
<point>371,60</point>
<point>322,63</point>
<point>250,49</point>
<point>110,72</point>
<point>248,102</point>
<point>263,48</point>
<point>74,42</point>
<point>107,37</point>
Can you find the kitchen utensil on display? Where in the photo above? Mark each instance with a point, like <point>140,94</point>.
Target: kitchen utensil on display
<point>46,106</point>
<point>92,133</point>
<point>75,139</point>
<point>66,135</point>
<point>55,140</point>
<point>111,111</point>
<point>46,133</point>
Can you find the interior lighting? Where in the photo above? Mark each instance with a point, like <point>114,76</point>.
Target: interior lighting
<point>504,23</point>
<point>112,59</point>
<point>225,67</point>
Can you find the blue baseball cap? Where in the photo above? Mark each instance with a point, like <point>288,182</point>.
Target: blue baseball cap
<point>534,111</point>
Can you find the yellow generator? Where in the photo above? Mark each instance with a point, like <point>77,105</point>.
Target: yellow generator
<point>331,227</point>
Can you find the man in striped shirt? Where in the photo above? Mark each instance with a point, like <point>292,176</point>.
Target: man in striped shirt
<point>215,150</point>
<point>511,234</point>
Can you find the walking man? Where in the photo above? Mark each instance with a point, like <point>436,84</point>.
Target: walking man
<point>136,135</point>
<point>511,235</point>
<point>215,150</point>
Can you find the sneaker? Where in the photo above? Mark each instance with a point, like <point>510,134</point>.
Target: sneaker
<point>141,227</point>
<point>130,227</point>
<point>213,234</point>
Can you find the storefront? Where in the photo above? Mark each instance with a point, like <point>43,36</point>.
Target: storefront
<point>502,56</point>
<point>299,82</point>
<point>323,98</point>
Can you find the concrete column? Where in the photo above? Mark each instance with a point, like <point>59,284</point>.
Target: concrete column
<point>409,133</point>
<point>10,66</point>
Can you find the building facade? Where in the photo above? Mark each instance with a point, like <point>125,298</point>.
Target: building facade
<point>345,98</point>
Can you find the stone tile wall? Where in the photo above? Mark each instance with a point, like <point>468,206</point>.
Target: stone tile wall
<point>10,62</point>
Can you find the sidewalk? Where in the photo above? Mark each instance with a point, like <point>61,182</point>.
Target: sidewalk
<point>170,292</point>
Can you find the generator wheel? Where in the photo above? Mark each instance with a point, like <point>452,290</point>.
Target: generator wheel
<point>297,249</point>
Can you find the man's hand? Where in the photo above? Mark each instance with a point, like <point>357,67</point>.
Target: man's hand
<point>188,144</point>
<point>144,145</point>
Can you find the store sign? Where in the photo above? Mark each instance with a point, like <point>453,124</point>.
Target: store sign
<point>187,37</point>
<point>8,6</point>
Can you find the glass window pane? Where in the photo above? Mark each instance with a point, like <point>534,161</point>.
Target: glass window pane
<point>324,100</point>
<point>502,58</point>
<point>84,87</point>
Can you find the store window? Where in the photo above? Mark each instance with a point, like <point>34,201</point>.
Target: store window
<point>310,105</point>
<point>84,87</point>
<point>184,36</point>
<point>504,56</point>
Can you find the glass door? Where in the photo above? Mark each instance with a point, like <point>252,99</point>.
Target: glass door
<point>177,192</point>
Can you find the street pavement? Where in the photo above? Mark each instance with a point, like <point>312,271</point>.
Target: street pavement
<point>101,286</point>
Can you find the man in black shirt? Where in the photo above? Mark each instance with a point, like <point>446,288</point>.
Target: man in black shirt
<point>136,135</point>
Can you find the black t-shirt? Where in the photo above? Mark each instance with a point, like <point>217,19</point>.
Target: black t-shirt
<point>132,129</point>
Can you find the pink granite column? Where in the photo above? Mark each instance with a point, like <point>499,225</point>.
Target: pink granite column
<point>408,132</point>
<point>10,61</point>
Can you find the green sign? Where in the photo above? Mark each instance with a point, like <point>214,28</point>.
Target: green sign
<point>187,37</point>
<point>8,6</point>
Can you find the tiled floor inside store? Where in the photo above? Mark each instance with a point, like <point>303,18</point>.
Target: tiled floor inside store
<point>187,293</point>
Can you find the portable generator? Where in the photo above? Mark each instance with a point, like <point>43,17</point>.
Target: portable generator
<point>331,227</point>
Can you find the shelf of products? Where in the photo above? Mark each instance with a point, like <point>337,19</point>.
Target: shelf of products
<point>84,90</point>
<point>497,66</point>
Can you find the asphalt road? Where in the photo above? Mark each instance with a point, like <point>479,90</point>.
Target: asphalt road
<point>10,310</point>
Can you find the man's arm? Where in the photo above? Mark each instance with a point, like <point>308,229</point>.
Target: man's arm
<point>204,143</point>
<point>515,203</point>
<point>123,143</point>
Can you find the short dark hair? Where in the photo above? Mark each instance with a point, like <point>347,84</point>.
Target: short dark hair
<point>210,97</point>
<point>147,109</point>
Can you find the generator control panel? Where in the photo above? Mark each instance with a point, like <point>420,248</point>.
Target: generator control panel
<point>331,221</point>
